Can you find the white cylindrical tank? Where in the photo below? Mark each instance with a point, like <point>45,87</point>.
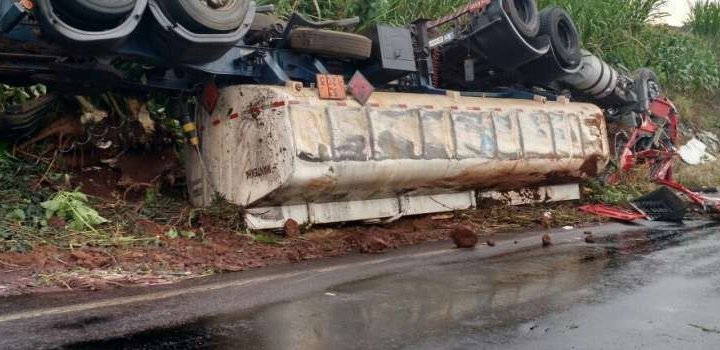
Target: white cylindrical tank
<point>596,78</point>
<point>267,146</point>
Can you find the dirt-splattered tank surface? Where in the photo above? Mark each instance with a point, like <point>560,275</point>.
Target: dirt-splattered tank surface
<point>279,149</point>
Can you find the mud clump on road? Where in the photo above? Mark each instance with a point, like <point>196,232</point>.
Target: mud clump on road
<point>291,229</point>
<point>464,237</point>
<point>373,242</point>
<point>546,240</point>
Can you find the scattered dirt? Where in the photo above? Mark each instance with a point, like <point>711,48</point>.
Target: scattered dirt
<point>217,249</point>
<point>98,182</point>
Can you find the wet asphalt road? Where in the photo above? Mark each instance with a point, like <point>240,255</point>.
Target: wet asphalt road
<point>640,289</point>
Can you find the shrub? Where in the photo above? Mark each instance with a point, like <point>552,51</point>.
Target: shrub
<point>393,12</point>
<point>705,19</point>
<point>684,62</point>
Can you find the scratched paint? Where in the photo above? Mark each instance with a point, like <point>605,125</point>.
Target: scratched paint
<point>296,148</point>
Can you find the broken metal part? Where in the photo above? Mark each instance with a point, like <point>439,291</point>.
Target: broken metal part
<point>610,212</point>
<point>694,197</point>
<point>14,15</point>
<point>652,141</point>
<point>661,205</point>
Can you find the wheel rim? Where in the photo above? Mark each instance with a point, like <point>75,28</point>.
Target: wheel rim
<point>566,34</point>
<point>217,4</point>
<point>524,10</point>
<point>653,89</point>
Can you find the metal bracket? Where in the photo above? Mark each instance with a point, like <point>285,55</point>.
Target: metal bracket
<point>13,15</point>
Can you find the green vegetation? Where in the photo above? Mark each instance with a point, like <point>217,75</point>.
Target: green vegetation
<point>262,238</point>
<point>22,219</point>
<point>705,19</point>
<point>610,27</point>
<point>394,12</point>
<point>174,233</point>
<point>630,186</point>
<point>73,208</point>
<point>684,62</point>
<point>12,95</point>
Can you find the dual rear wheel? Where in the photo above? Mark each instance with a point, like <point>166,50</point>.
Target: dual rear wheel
<point>199,16</point>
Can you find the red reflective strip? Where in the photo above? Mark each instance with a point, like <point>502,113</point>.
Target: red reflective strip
<point>234,116</point>
<point>454,107</point>
<point>402,105</point>
<point>255,110</point>
<point>294,102</point>
<point>216,122</point>
<point>277,104</point>
<point>474,108</point>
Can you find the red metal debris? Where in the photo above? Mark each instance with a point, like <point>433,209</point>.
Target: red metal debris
<point>693,196</point>
<point>611,212</point>
<point>659,126</point>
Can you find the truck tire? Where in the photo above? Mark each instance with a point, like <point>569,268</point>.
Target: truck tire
<point>649,78</point>
<point>22,120</point>
<point>524,16</point>
<point>331,43</point>
<point>199,17</point>
<point>97,10</point>
<point>564,37</point>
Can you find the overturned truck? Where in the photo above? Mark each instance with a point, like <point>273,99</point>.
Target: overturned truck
<point>313,122</point>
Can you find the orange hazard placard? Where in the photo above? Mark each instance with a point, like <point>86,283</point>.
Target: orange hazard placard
<point>331,87</point>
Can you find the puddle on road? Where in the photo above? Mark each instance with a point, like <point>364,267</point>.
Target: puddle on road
<point>395,310</point>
